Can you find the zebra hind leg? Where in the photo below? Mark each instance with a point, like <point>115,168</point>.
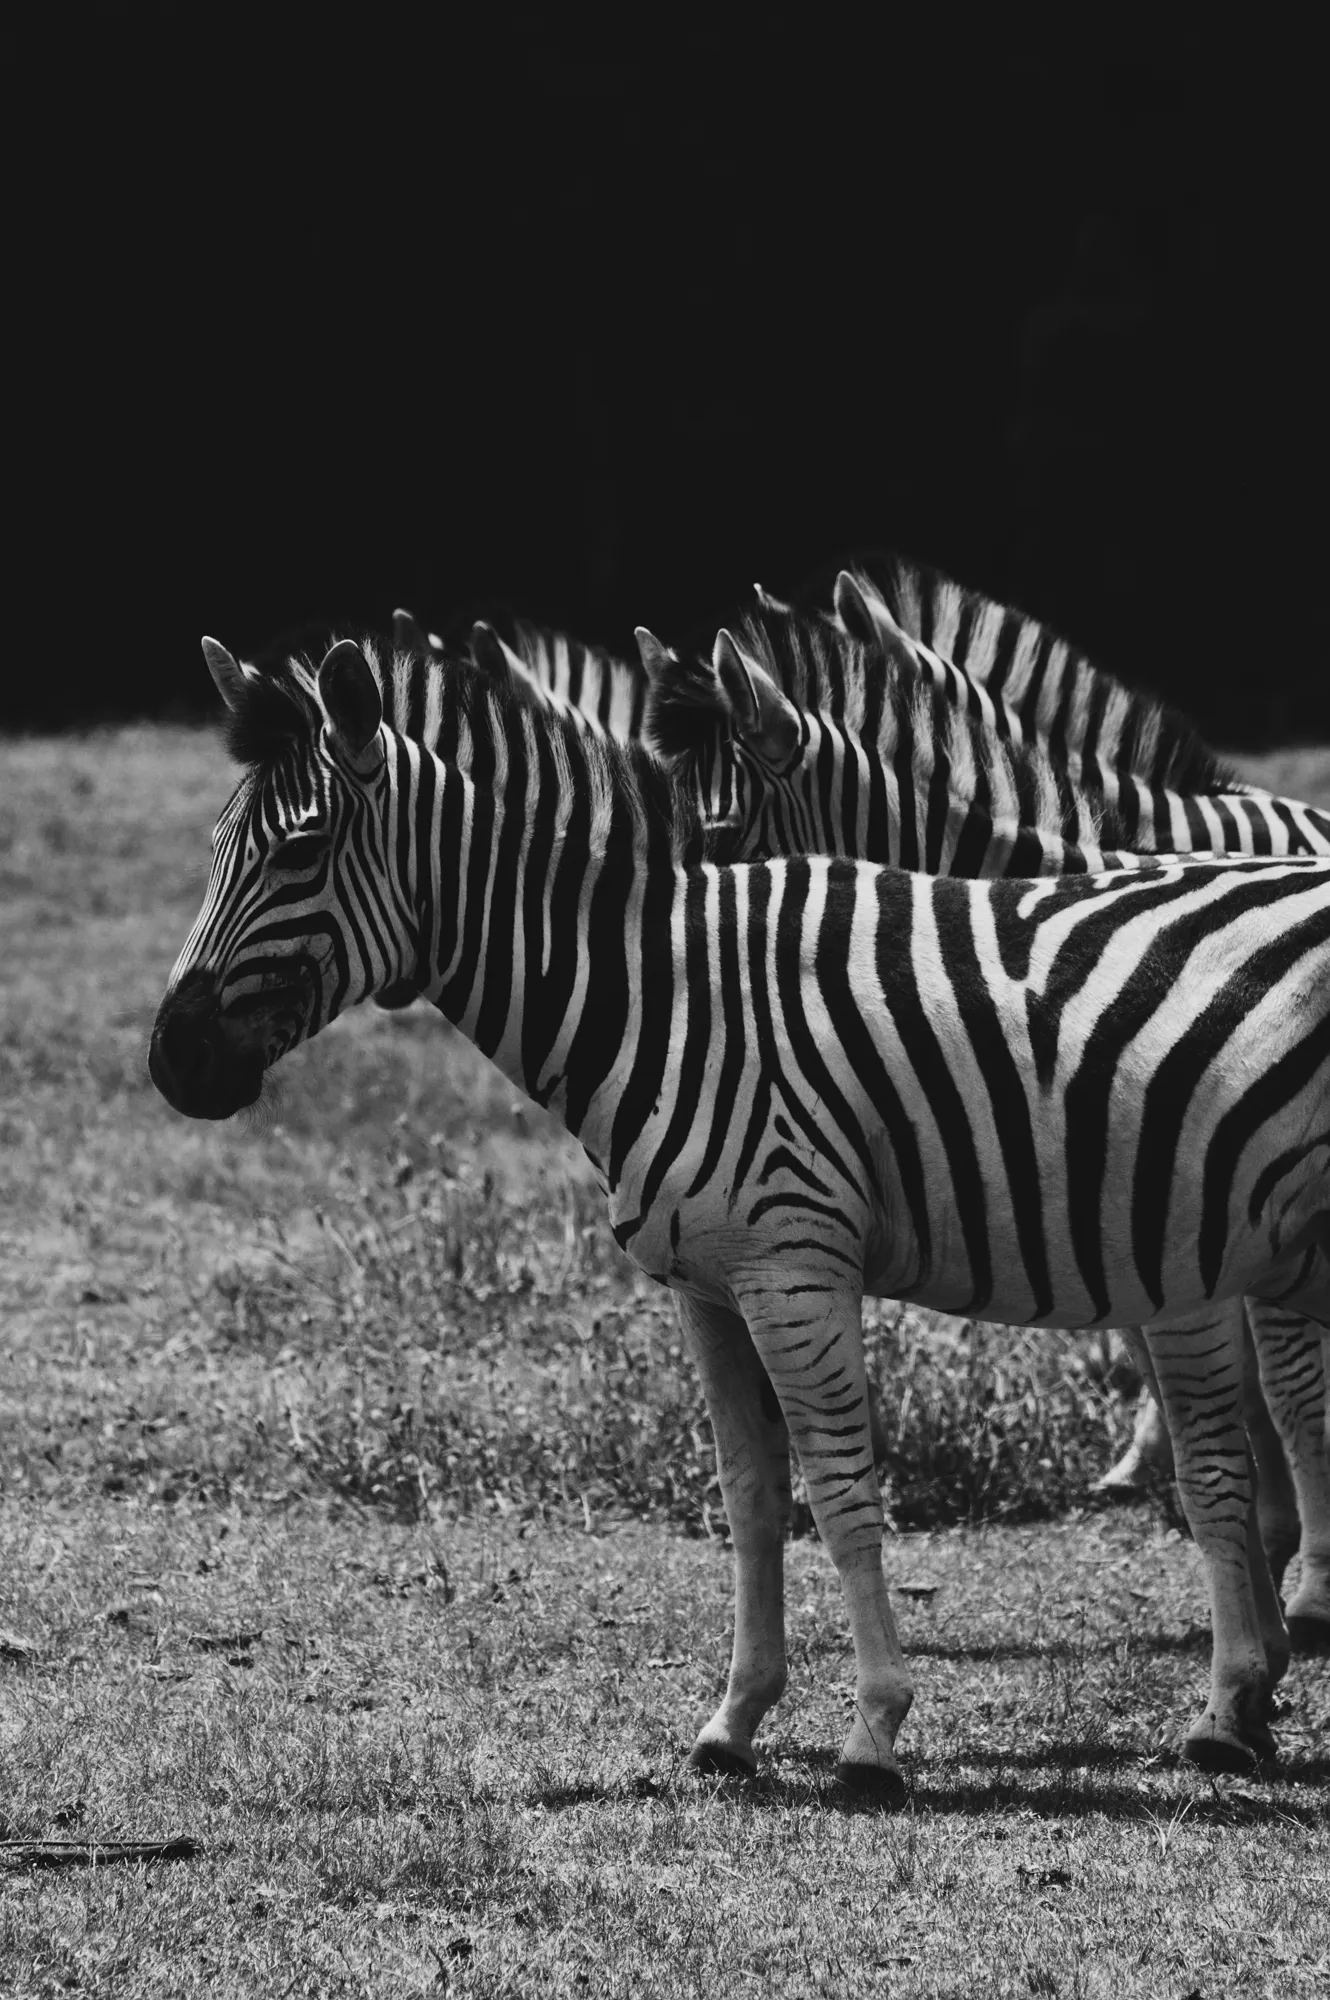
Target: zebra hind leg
<point>1276,1490</point>
<point>1292,1363</point>
<point>1199,1365</point>
<point>1149,1457</point>
<point>753,1461</point>
<point>809,1336</point>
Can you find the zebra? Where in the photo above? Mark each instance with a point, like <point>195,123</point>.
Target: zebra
<point>991,787</point>
<point>903,775</point>
<point>1024,758</point>
<point>970,786</point>
<point>801,1080</point>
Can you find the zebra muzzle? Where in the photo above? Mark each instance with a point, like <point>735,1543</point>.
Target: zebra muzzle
<point>202,1066</point>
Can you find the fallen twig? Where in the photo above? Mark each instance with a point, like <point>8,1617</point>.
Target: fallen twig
<point>66,1853</point>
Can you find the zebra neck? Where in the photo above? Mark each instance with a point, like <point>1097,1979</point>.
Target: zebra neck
<point>935,793</point>
<point>547,897</point>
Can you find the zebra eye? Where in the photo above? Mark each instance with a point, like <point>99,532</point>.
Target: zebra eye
<point>302,850</point>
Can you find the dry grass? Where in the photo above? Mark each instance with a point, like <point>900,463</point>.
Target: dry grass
<point>344,1468</point>
<point>451,1754</point>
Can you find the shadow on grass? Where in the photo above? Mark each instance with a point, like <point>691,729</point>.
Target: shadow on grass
<point>1196,1639</point>
<point>1065,1798</point>
<point>1090,1754</point>
<point>1068,1790</point>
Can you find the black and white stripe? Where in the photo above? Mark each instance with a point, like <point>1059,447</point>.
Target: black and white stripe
<point>1077,1101</point>
<point>906,774</point>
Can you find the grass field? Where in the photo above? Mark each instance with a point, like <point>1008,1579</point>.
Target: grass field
<point>360,1524</point>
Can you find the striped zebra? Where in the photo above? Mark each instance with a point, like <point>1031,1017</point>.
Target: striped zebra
<point>918,764</point>
<point>802,1080</point>
<point>1023,758</point>
<point>905,772</point>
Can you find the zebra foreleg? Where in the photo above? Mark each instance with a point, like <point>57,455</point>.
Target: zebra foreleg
<point>753,1461</point>
<point>1292,1364</point>
<point>1198,1362</point>
<point>810,1339</point>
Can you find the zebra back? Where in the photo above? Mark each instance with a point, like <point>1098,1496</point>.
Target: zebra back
<point>898,774</point>
<point>1088,719</point>
<point>968,788</point>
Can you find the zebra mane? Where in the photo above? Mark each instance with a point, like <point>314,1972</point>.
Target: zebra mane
<point>619,780</point>
<point>683,709</point>
<point>823,669</point>
<point>540,647</point>
<point>441,702</point>
<point>278,710</point>
<point>1052,684</point>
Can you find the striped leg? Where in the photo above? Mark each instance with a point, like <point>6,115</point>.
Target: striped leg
<point>810,1338</point>
<point>1276,1492</point>
<point>1199,1366</point>
<point>753,1460</point>
<point>1151,1452</point>
<point>1293,1374</point>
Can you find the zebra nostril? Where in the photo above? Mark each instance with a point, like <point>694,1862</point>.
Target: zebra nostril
<point>183,1056</point>
<point>190,1052</point>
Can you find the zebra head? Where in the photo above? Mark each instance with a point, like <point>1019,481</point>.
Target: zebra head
<point>303,915</point>
<point>756,761</point>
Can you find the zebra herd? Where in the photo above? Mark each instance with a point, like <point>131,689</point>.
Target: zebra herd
<point>887,948</point>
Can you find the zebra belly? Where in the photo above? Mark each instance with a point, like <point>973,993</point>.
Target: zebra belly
<point>972,1229</point>
<point>908,1111</point>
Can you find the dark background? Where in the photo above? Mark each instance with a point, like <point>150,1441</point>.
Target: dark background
<point>326,315</point>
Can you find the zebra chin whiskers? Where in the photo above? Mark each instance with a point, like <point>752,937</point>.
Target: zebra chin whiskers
<point>261,1117</point>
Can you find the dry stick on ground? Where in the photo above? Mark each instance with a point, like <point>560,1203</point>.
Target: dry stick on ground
<point>66,1853</point>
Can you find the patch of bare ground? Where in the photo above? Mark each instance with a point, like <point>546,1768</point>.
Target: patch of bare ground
<point>359,1523</point>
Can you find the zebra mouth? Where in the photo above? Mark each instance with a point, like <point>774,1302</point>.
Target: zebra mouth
<point>267,1022</point>
<point>209,1062</point>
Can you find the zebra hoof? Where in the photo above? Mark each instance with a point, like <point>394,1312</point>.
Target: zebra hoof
<point>1221,1755</point>
<point>1308,1632</point>
<point>873,1783</point>
<point>718,1760</point>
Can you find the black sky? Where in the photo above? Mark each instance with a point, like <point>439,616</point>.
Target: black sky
<point>327,315</point>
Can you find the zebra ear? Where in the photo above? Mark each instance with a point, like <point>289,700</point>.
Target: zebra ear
<point>228,675</point>
<point>353,705</point>
<point>492,657</point>
<point>408,636</point>
<point>658,662</point>
<point>763,718</point>
<point>851,605</point>
<point>507,669</point>
<point>867,619</point>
